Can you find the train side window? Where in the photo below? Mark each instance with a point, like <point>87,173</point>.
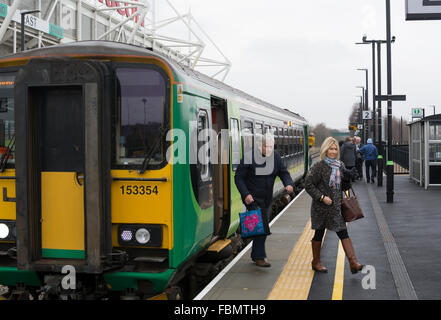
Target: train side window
<point>259,128</point>
<point>286,141</point>
<point>276,138</point>
<point>291,141</point>
<point>267,129</point>
<point>7,127</point>
<point>247,136</point>
<point>140,116</point>
<point>235,143</point>
<point>203,156</point>
<point>281,142</point>
<point>296,141</point>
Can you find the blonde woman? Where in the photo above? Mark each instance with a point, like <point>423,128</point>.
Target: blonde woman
<point>324,185</point>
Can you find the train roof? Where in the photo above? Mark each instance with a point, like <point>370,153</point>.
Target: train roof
<point>94,47</point>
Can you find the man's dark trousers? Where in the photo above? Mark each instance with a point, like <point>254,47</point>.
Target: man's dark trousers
<point>359,166</point>
<point>371,164</point>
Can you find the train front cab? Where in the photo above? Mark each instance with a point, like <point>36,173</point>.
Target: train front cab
<point>92,182</point>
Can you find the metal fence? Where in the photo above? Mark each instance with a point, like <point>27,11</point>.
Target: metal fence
<point>400,158</point>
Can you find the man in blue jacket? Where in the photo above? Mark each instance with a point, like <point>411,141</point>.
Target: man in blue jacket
<point>255,183</point>
<point>370,154</point>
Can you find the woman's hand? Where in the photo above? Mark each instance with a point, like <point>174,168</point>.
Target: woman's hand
<point>327,201</point>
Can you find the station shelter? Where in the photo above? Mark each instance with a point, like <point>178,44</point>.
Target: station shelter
<point>425,151</point>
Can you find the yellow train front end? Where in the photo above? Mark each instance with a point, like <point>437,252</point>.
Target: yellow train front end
<point>85,180</point>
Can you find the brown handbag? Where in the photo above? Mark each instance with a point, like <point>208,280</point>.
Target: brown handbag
<point>350,209</point>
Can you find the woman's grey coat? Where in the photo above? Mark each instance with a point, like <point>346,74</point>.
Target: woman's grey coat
<point>348,154</point>
<point>316,185</point>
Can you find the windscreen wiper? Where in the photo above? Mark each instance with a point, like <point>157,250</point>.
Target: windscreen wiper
<point>5,156</point>
<point>147,159</point>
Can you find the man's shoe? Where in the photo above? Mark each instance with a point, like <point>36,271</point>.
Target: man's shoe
<point>262,263</point>
<point>373,181</point>
<point>367,181</point>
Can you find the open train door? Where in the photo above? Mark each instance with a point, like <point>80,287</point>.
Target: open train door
<point>62,179</point>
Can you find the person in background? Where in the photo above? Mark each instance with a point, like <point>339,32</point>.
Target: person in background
<point>258,188</point>
<point>325,183</point>
<point>348,154</point>
<point>359,158</point>
<point>370,154</point>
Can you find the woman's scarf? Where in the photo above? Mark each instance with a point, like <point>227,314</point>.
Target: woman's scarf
<point>335,178</point>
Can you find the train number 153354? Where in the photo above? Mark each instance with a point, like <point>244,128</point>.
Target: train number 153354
<point>142,190</point>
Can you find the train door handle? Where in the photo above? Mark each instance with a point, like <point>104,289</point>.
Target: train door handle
<point>79,176</point>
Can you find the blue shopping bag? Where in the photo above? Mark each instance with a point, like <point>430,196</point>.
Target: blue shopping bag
<point>251,223</point>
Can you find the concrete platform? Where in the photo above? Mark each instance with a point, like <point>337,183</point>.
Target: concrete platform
<point>398,242</point>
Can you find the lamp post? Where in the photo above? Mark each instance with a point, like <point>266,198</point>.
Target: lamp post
<point>366,104</point>
<point>363,92</point>
<point>389,164</point>
<point>23,14</point>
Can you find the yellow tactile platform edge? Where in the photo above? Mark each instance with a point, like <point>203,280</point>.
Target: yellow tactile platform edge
<point>337,292</point>
<point>295,280</point>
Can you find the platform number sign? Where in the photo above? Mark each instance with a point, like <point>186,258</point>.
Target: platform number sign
<point>367,115</point>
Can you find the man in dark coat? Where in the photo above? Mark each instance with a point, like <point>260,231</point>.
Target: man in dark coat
<point>255,183</point>
<point>348,154</point>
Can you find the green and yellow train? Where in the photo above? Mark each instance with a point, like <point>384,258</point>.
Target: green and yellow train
<point>86,130</point>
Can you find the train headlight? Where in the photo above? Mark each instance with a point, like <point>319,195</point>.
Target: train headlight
<point>7,230</point>
<point>4,231</point>
<point>142,236</point>
<point>146,235</point>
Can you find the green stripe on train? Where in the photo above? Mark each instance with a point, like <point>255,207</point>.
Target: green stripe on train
<point>63,254</point>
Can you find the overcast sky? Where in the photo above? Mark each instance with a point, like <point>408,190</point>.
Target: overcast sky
<point>302,54</point>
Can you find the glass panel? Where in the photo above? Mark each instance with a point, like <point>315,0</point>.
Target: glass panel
<point>235,143</point>
<point>416,151</point>
<point>69,20</point>
<point>141,110</point>
<point>435,152</point>
<point>55,17</point>
<point>86,27</point>
<point>29,5</point>
<point>7,129</point>
<point>259,128</point>
<point>267,129</point>
<point>247,134</point>
<point>435,131</point>
<point>100,29</point>
<point>203,163</point>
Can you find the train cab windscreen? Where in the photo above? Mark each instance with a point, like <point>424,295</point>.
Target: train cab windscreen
<point>7,130</point>
<point>140,118</point>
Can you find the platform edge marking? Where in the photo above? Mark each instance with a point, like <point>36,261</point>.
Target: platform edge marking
<point>294,282</point>
<point>213,282</point>
<point>337,292</point>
